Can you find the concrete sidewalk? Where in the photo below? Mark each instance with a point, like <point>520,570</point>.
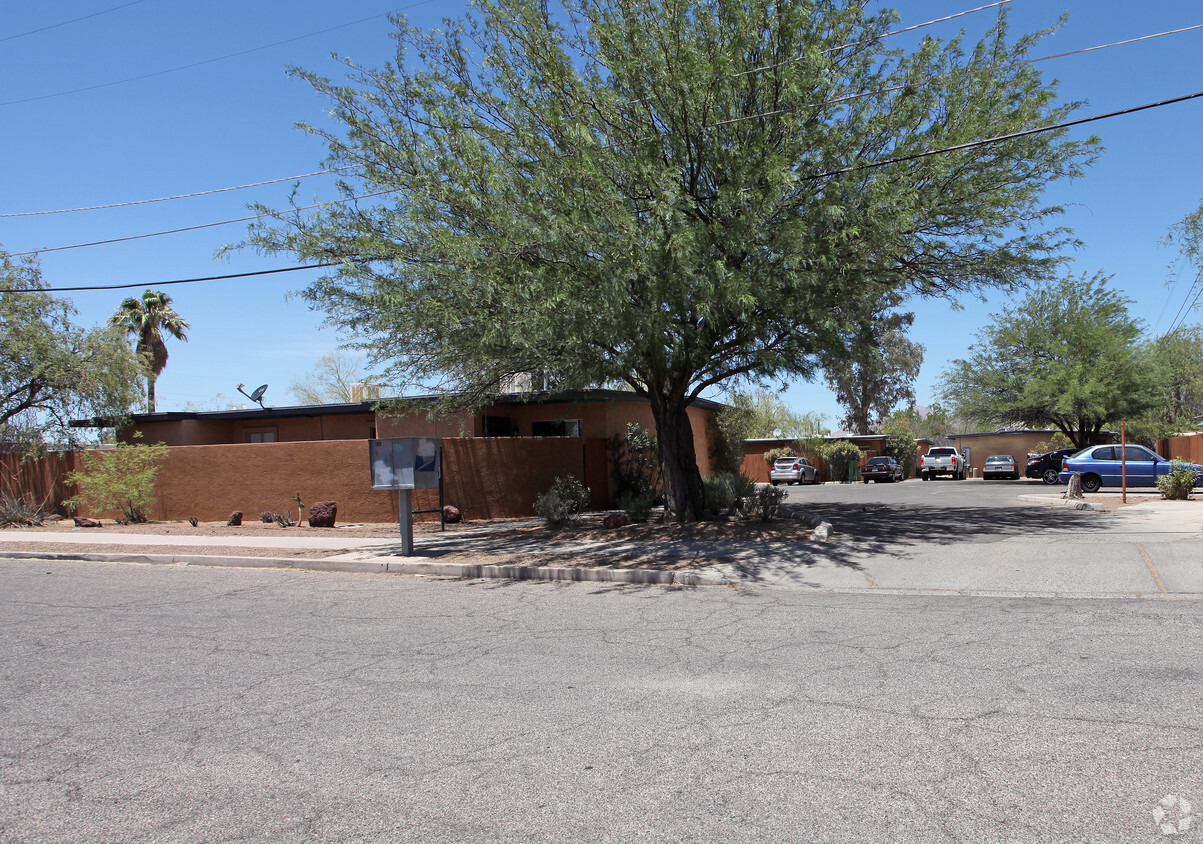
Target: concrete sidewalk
<point>1149,549</point>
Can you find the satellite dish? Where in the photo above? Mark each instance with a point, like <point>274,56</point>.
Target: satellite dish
<point>256,395</point>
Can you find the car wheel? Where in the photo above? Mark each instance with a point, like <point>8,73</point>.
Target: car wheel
<point>774,483</point>
<point>866,480</point>
<point>1091,483</point>
<point>926,477</point>
<point>1050,477</point>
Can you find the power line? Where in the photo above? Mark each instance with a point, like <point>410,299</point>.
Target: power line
<point>179,195</point>
<point>899,87</point>
<point>191,228</point>
<point>715,125</point>
<point>73,20</point>
<point>828,174</point>
<point>1008,137</point>
<point>883,35</point>
<point>206,61</point>
<point>163,283</point>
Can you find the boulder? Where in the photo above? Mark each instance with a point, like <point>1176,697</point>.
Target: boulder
<point>451,515</point>
<point>80,521</point>
<point>235,519</point>
<point>322,513</point>
<point>53,517</point>
<point>615,520</point>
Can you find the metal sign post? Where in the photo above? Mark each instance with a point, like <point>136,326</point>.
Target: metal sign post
<point>405,464</point>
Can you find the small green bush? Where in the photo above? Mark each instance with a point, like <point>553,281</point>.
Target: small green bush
<point>773,454</point>
<point>1179,483</point>
<point>565,501</point>
<point>121,478</point>
<point>764,501</point>
<point>637,505</point>
<point>725,492</point>
<point>20,511</point>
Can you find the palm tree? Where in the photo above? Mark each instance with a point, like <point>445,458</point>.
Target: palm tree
<point>146,320</point>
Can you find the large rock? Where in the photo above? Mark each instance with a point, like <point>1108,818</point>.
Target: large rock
<point>451,515</point>
<point>235,519</point>
<point>80,521</point>
<point>322,513</point>
<point>616,520</point>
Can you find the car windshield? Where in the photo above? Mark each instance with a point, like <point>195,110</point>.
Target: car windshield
<point>998,458</point>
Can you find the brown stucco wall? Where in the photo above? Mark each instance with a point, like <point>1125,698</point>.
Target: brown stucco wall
<point>1015,443</point>
<point>211,481</point>
<point>486,478</point>
<point>39,480</point>
<point>351,426</point>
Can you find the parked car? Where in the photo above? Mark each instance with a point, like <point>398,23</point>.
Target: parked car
<point>942,460</point>
<point>882,469</point>
<point>1047,466</point>
<point>1101,466</point>
<point>1000,466</point>
<point>793,470</point>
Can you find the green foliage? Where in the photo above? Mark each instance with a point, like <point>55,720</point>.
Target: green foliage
<point>768,416</point>
<point>1179,483</point>
<point>20,510</point>
<point>146,320</point>
<point>1054,443</point>
<point>763,501</point>
<point>774,454</point>
<point>564,502</point>
<point>637,505</point>
<point>121,478</point>
<point>51,370</point>
<point>900,444</point>
<point>635,458</point>
<point>726,492</point>
<point>839,456</point>
<point>1178,364</point>
<point>1067,356</point>
<point>625,192</point>
<point>874,371</point>
<point>730,427</point>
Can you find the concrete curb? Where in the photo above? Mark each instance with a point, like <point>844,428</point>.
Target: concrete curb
<point>1058,501</point>
<point>463,571</point>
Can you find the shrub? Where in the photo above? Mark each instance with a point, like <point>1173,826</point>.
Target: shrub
<point>725,492</point>
<point>839,456</point>
<point>20,511</point>
<point>1179,483</point>
<point>636,461</point>
<point>730,429</point>
<point>121,478</point>
<point>764,501</point>
<point>637,505</point>
<point>565,500</point>
<point>773,454</point>
<point>900,444</point>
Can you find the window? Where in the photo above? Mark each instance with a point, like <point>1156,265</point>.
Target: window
<point>556,428</point>
<point>261,436</point>
<point>496,426</point>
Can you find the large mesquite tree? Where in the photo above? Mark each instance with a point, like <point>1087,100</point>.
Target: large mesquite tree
<point>675,194</point>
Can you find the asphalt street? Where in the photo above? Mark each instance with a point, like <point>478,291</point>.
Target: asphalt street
<point>204,704</point>
<point>188,704</point>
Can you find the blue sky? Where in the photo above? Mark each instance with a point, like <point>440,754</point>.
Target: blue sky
<point>223,122</point>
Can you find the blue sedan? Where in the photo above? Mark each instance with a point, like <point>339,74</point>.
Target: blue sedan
<point>1101,466</point>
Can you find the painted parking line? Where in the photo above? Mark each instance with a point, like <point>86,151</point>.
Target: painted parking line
<point>1152,568</point>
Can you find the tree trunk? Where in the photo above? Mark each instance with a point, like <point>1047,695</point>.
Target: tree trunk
<point>678,459</point>
<point>150,394</point>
